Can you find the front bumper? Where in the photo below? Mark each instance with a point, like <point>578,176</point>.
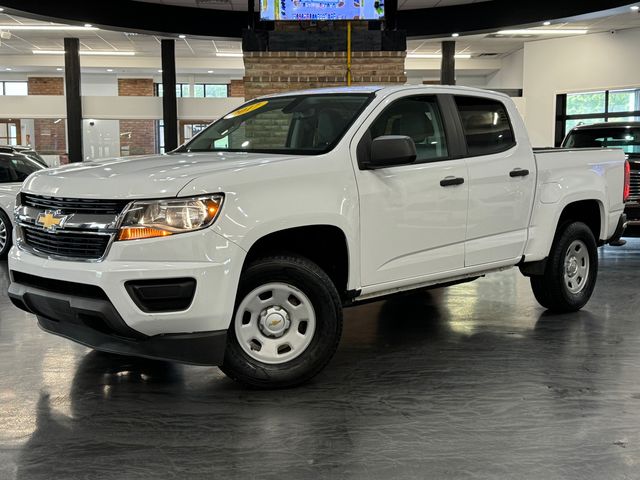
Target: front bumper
<point>113,321</point>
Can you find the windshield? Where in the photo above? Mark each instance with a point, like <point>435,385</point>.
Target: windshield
<point>627,138</point>
<point>16,168</point>
<point>302,124</point>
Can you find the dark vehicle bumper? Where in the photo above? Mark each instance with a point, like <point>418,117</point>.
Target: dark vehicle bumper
<point>632,211</point>
<point>95,323</point>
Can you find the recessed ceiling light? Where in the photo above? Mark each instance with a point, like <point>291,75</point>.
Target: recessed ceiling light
<point>546,24</point>
<point>455,35</point>
<point>117,53</point>
<point>228,54</point>
<point>635,8</point>
<point>541,31</point>
<point>182,36</point>
<point>210,71</point>
<point>109,69</point>
<point>159,71</point>
<point>87,25</point>
<point>8,69</point>
<point>59,69</point>
<point>1,9</point>
<point>49,28</point>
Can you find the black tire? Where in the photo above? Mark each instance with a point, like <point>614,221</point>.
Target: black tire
<point>313,282</point>
<point>8,240</point>
<point>550,289</point>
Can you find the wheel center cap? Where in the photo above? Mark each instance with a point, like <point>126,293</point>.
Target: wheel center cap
<point>274,321</point>
<point>572,266</point>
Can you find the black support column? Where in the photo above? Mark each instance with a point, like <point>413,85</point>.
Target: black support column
<point>169,101</point>
<point>448,73</point>
<point>74,99</point>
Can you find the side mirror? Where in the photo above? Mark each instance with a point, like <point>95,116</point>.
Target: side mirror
<point>392,150</point>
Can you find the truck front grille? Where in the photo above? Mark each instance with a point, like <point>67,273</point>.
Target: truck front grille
<point>69,206</point>
<point>63,244</point>
<point>635,185</point>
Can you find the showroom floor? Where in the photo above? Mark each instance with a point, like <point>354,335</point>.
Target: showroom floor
<point>474,381</point>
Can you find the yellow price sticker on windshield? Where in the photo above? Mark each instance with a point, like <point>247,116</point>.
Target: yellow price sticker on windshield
<point>247,109</point>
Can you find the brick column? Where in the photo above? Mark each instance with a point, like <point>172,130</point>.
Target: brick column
<point>49,136</point>
<point>137,137</point>
<point>236,88</point>
<point>275,72</point>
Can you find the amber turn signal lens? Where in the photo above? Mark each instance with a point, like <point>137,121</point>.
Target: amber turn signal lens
<point>137,233</point>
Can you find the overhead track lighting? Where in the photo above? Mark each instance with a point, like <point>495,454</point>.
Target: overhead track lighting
<point>542,31</point>
<point>117,53</point>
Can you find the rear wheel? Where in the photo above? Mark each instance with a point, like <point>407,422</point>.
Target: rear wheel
<point>286,326</point>
<point>5,235</point>
<point>571,271</point>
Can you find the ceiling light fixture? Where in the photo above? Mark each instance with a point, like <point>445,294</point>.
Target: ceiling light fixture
<point>59,69</point>
<point>1,9</point>
<point>228,54</point>
<point>87,25</point>
<point>8,69</point>
<point>117,53</point>
<point>546,24</point>
<point>435,56</point>
<point>542,31</point>
<point>109,69</point>
<point>182,36</point>
<point>455,35</point>
<point>209,71</point>
<point>47,28</point>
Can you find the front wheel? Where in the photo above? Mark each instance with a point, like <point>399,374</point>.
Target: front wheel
<point>286,326</point>
<point>5,235</point>
<point>571,271</point>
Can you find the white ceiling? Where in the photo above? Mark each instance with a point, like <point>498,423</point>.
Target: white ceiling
<point>241,5</point>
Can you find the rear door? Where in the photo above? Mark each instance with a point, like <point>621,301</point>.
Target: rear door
<point>413,217</point>
<point>502,178</point>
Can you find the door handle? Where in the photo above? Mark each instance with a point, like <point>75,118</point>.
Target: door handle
<point>451,181</point>
<point>519,172</point>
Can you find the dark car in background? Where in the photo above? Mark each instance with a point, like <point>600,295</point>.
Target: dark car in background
<point>27,151</point>
<point>624,135</point>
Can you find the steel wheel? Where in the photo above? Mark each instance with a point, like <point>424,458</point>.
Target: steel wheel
<point>275,323</point>
<point>4,234</point>
<point>576,267</point>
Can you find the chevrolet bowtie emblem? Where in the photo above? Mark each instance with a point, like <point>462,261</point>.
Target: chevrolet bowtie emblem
<point>50,220</point>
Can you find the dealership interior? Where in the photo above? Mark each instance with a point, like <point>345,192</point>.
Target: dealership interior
<point>448,379</point>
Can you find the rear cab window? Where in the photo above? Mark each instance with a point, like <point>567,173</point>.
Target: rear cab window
<point>486,125</point>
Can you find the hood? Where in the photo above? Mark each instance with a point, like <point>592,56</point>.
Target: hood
<point>10,188</point>
<point>139,177</point>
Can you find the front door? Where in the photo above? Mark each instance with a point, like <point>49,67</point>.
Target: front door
<point>413,217</point>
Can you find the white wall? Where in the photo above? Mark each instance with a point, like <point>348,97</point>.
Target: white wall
<point>589,62</point>
<point>99,85</point>
<point>511,75</point>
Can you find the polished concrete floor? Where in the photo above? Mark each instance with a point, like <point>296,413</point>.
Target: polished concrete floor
<point>470,382</point>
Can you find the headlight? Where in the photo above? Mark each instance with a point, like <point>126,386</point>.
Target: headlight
<point>161,218</point>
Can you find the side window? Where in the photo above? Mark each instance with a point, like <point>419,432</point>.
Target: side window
<point>24,167</point>
<point>486,125</point>
<point>6,174</point>
<point>418,118</point>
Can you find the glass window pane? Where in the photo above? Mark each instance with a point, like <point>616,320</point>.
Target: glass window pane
<point>486,125</point>
<point>160,89</point>
<point>198,91</point>
<point>186,91</point>
<point>585,103</point>
<point>216,91</point>
<point>571,124</point>
<point>418,118</point>
<point>1,88</point>
<point>624,100</point>
<point>179,90</point>
<point>15,88</point>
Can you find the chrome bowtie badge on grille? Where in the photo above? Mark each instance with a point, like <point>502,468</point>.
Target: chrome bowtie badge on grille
<point>51,220</point>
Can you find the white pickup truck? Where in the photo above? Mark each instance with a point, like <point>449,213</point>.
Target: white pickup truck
<point>241,248</point>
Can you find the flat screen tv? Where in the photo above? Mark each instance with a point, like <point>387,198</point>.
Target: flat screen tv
<point>319,10</point>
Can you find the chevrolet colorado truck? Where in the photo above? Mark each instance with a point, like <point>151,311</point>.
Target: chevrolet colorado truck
<point>241,248</point>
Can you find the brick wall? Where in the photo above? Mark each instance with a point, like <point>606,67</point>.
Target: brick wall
<point>49,135</point>
<point>137,137</point>
<point>275,72</point>
<point>135,87</point>
<point>236,88</point>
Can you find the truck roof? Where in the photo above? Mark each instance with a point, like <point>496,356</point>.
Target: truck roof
<point>369,89</point>
<point>595,126</point>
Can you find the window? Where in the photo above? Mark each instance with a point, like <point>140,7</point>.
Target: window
<point>305,124</point>
<point>199,90</point>
<point>486,125</point>
<point>16,169</point>
<point>627,138</point>
<point>418,118</point>
<point>14,88</point>
<point>587,108</point>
